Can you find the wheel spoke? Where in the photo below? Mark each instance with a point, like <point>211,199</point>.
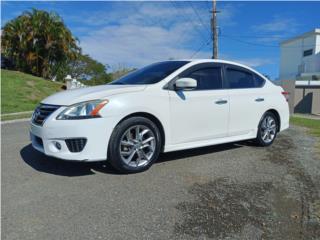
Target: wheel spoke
<point>264,124</point>
<point>144,132</point>
<point>129,159</point>
<point>128,135</point>
<point>139,158</point>
<point>147,140</point>
<point>145,156</point>
<point>137,129</point>
<point>145,146</point>
<point>265,134</point>
<point>127,143</point>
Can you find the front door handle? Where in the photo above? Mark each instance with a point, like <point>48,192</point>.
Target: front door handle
<point>221,102</point>
<point>259,99</point>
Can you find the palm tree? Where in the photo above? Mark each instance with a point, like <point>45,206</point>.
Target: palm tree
<point>39,43</point>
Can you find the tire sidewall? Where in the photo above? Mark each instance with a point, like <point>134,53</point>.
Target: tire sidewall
<point>113,152</point>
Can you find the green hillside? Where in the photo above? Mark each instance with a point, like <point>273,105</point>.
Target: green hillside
<point>22,92</point>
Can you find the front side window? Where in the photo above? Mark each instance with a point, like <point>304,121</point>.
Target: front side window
<point>150,74</point>
<point>207,78</point>
<point>239,79</point>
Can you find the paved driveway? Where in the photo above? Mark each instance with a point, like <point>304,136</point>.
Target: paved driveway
<point>232,191</point>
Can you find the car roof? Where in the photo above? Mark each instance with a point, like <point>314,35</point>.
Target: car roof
<point>196,61</point>
<point>213,61</point>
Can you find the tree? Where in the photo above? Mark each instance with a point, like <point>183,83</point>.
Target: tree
<point>120,70</point>
<point>39,43</point>
<point>87,70</point>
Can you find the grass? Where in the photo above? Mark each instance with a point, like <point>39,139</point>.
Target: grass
<point>22,92</point>
<point>312,124</point>
<point>19,116</point>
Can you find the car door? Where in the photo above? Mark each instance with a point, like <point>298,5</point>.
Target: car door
<point>247,100</point>
<point>200,113</point>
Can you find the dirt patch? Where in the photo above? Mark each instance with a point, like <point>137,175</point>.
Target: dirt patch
<point>225,209</point>
<point>287,152</point>
<point>222,208</point>
<point>287,207</point>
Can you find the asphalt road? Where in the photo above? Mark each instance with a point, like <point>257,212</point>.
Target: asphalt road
<point>231,191</point>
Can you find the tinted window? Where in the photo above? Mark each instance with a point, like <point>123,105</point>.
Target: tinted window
<point>259,81</point>
<point>207,78</point>
<point>151,74</point>
<point>239,79</point>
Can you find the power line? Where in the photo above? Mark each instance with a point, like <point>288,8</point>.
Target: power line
<point>198,16</point>
<point>185,16</point>
<point>201,47</point>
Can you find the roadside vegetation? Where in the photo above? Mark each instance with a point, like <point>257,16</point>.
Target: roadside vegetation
<point>312,124</point>
<point>22,92</point>
<point>39,43</point>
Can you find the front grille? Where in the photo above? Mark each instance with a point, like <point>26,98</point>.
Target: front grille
<point>42,112</point>
<point>76,144</point>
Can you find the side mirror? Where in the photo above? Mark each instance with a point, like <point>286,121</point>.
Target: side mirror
<point>185,84</point>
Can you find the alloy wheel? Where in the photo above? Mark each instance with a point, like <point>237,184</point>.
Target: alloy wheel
<point>137,146</point>
<point>268,129</point>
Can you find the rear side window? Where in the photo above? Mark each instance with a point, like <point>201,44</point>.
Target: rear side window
<point>207,78</point>
<point>259,81</point>
<point>239,79</point>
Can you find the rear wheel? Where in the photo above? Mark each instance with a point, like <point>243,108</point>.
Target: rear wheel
<point>267,129</point>
<point>134,145</point>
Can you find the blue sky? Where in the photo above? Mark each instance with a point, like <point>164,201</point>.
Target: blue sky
<point>138,33</point>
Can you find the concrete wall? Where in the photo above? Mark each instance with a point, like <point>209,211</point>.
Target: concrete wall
<point>302,99</point>
<point>307,99</point>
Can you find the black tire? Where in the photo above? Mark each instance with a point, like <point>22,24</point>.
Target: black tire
<point>260,140</point>
<point>114,156</point>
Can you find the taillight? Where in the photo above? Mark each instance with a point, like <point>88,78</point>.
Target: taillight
<point>286,95</point>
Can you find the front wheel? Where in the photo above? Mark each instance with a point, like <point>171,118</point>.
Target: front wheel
<point>267,129</point>
<point>134,145</point>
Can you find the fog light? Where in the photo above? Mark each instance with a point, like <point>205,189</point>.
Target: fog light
<point>58,145</point>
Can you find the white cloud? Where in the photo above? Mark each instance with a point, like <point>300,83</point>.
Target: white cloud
<point>141,35</point>
<point>136,45</point>
<point>277,24</point>
<point>226,14</point>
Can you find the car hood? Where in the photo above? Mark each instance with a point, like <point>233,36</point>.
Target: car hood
<point>73,96</point>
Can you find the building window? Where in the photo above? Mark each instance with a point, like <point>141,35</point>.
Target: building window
<point>307,52</point>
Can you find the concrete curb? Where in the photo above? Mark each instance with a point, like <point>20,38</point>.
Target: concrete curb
<point>15,121</point>
<point>16,113</point>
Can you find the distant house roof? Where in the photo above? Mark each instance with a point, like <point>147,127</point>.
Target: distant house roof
<point>307,34</point>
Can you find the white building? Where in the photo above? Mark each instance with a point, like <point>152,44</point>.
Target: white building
<point>300,57</point>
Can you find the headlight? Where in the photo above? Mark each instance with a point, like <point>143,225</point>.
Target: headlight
<point>83,110</point>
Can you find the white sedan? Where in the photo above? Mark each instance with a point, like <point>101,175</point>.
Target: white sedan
<point>166,106</point>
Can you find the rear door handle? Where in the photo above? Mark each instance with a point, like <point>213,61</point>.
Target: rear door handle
<point>259,99</point>
<point>221,102</point>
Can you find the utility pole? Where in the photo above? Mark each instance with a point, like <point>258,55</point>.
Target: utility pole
<point>214,30</point>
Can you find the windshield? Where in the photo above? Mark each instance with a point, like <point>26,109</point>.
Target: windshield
<point>150,74</point>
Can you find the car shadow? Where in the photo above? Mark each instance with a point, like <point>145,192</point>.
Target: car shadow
<point>51,165</point>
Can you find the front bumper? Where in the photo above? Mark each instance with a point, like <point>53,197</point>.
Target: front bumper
<point>96,131</point>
